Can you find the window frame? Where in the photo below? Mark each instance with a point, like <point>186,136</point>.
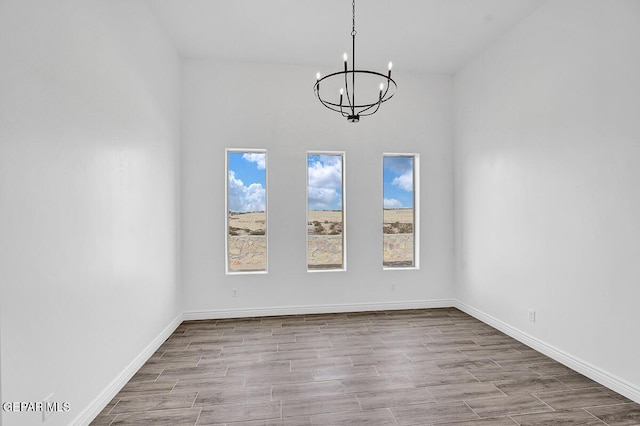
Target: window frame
<point>344,210</point>
<point>226,207</point>
<point>416,211</point>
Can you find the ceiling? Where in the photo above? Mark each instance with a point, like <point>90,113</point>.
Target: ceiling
<point>417,35</point>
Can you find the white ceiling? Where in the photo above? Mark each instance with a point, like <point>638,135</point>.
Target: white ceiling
<point>417,35</point>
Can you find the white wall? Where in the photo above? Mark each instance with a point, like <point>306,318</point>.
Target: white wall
<point>89,131</point>
<point>273,107</point>
<point>547,200</point>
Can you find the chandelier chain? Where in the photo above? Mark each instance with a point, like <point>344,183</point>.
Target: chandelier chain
<point>353,26</point>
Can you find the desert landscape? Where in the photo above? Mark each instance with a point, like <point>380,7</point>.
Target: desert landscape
<point>397,228</point>
<point>251,223</point>
<point>324,240</point>
<point>247,244</point>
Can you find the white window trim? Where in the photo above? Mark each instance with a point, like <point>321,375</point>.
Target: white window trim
<point>226,209</point>
<point>416,210</point>
<point>344,210</point>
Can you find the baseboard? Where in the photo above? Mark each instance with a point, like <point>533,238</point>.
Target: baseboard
<point>317,309</point>
<point>594,373</point>
<point>101,401</point>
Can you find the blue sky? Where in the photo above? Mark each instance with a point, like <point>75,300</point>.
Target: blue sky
<point>247,180</point>
<point>324,182</point>
<point>397,181</point>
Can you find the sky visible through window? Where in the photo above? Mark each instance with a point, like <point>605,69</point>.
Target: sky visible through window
<point>247,181</point>
<point>398,182</point>
<point>325,182</point>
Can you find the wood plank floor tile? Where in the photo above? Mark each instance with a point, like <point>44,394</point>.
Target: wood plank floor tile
<point>424,414</point>
<point>465,365</point>
<point>618,415</point>
<point>257,367</point>
<point>508,405</point>
<point>232,395</point>
<point>499,421</point>
<point>319,405</point>
<point>279,378</point>
<point>581,398</point>
<point>435,378</point>
<point>559,418</point>
<point>396,397</point>
<point>230,413</point>
<point>382,417</point>
<point>200,384</point>
<point>290,355</point>
<point>147,388</point>
<point>193,372</point>
<point>177,417</point>
<point>534,385</point>
<point>497,373</point>
<point>154,402</point>
<point>348,351</point>
<point>464,391</point>
<point>343,372</point>
<point>577,381</point>
<point>308,364</point>
<point>319,344</point>
<point>306,390</point>
<point>364,384</point>
<point>288,421</point>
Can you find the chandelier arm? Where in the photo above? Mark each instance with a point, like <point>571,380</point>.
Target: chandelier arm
<point>364,112</point>
<point>346,89</point>
<point>377,105</point>
<point>328,105</point>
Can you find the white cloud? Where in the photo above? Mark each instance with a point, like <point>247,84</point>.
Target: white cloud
<point>325,183</point>
<point>258,158</point>
<point>323,198</point>
<point>392,203</point>
<point>326,174</point>
<point>245,198</point>
<point>404,181</point>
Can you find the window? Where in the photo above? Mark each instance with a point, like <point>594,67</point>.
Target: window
<point>246,211</point>
<point>325,211</point>
<point>400,208</point>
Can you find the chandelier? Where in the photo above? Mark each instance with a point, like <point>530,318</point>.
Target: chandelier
<point>344,101</point>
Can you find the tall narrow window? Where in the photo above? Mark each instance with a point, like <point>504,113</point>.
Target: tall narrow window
<point>246,211</point>
<point>400,207</point>
<point>325,211</point>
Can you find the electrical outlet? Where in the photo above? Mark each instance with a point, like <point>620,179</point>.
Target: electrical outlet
<point>393,286</point>
<point>46,403</point>
<point>235,292</point>
<point>532,315</point>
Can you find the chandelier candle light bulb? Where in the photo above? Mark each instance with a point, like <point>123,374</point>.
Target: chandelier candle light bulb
<point>353,110</point>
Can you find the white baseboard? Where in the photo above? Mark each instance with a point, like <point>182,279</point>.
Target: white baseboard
<point>594,373</point>
<point>317,309</point>
<point>101,401</point>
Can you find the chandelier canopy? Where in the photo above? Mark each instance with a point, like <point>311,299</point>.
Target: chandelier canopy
<point>344,100</point>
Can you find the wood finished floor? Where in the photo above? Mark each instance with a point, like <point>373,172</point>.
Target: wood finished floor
<point>414,367</point>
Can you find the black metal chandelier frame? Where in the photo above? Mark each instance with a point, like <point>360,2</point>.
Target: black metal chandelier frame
<point>352,110</point>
